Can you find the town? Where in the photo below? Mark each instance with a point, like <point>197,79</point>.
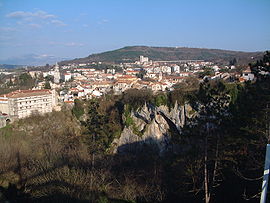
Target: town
<point>134,101</point>
<point>57,85</point>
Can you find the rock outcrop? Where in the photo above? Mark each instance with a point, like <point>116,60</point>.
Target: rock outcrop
<point>152,126</point>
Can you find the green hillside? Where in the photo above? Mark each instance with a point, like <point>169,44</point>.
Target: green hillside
<point>132,53</point>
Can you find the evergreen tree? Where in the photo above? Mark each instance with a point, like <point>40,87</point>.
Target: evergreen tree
<point>78,109</point>
<point>211,104</point>
<point>47,85</point>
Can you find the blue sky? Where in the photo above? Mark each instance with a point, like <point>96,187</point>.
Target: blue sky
<point>77,28</point>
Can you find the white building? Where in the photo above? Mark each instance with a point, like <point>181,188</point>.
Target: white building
<point>35,74</point>
<point>67,77</point>
<point>216,68</point>
<point>143,59</point>
<point>248,75</point>
<point>23,103</point>
<point>112,71</point>
<point>176,69</point>
<point>166,69</point>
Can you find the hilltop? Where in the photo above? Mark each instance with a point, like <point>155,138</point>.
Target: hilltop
<point>132,53</point>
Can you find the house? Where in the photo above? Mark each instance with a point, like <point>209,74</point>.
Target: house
<point>166,69</point>
<point>102,86</point>
<point>247,75</point>
<point>96,93</point>
<point>112,70</point>
<point>35,74</point>
<point>149,69</point>
<point>158,86</point>
<point>216,68</point>
<point>176,69</point>
<point>132,72</point>
<point>127,77</point>
<point>67,77</point>
<point>151,75</point>
<point>123,85</point>
<point>173,79</point>
<point>142,84</point>
<point>76,93</point>
<point>185,74</point>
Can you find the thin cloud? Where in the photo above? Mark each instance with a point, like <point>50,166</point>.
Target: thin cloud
<point>58,22</point>
<point>42,56</point>
<point>68,44</point>
<point>44,15</point>
<point>73,44</point>
<point>35,19</point>
<point>18,14</point>
<point>103,21</point>
<point>29,15</point>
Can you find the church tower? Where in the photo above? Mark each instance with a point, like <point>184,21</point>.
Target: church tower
<point>56,74</point>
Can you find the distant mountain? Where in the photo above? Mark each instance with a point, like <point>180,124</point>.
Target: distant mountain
<point>9,66</point>
<point>32,60</point>
<point>132,53</point>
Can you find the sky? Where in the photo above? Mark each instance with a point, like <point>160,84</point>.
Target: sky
<point>77,28</point>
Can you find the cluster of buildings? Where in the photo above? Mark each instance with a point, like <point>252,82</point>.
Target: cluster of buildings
<point>157,76</point>
<point>84,82</point>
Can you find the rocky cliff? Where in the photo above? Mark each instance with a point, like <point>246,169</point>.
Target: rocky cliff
<point>151,126</point>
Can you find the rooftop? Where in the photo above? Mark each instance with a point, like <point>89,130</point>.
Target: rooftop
<point>26,93</point>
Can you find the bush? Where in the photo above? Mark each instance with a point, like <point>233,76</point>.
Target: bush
<point>160,100</point>
<point>78,109</point>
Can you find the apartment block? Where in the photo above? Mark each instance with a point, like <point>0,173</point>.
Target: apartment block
<point>23,103</point>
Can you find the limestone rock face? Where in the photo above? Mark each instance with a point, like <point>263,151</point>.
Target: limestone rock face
<point>152,127</point>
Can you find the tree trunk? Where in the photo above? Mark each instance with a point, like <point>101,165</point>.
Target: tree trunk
<point>267,124</point>
<point>206,182</point>
<point>216,162</point>
<point>92,164</point>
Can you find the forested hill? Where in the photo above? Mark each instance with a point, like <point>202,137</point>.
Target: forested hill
<point>132,53</point>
